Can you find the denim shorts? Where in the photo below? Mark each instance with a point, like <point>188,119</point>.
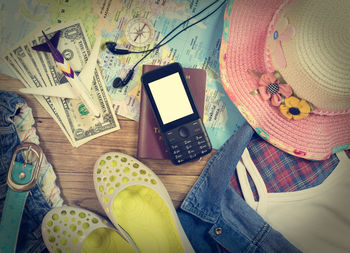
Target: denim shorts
<point>29,238</point>
<point>216,219</point>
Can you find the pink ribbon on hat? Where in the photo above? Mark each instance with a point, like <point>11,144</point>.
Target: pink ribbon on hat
<point>278,53</point>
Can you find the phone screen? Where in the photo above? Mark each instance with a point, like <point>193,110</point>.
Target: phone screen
<point>170,98</point>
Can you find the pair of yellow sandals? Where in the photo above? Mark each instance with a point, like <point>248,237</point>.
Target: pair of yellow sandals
<point>136,202</point>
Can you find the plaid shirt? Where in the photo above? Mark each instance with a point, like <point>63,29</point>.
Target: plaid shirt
<point>283,172</point>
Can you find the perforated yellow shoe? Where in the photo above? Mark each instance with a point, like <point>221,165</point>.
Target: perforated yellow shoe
<point>138,204</point>
<point>71,229</point>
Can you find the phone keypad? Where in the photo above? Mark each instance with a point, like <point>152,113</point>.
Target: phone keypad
<point>188,142</point>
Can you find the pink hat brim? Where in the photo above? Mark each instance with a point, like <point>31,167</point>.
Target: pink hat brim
<point>245,28</point>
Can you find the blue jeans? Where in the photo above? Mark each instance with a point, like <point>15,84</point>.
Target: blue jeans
<point>29,238</point>
<point>216,219</point>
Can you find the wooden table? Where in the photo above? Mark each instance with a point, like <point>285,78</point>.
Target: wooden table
<point>74,166</point>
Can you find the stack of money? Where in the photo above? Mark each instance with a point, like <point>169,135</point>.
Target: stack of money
<point>38,69</point>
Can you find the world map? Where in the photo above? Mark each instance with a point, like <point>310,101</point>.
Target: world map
<point>197,47</point>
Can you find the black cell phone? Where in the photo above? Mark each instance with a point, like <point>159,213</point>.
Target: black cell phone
<point>175,110</point>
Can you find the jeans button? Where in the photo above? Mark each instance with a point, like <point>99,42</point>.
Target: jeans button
<point>218,231</point>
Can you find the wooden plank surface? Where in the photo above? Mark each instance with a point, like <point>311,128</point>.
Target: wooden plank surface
<point>74,166</point>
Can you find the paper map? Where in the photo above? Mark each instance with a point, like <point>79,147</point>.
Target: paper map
<point>198,47</point>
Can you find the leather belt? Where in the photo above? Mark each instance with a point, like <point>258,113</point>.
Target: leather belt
<point>21,179</point>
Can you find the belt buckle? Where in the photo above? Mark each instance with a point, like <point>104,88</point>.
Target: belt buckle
<point>33,158</point>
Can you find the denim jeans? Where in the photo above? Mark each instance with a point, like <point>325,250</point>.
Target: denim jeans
<point>29,238</point>
<point>216,219</point>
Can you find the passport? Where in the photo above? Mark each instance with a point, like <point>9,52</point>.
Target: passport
<point>150,143</point>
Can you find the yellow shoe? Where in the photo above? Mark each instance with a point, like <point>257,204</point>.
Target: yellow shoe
<point>138,204</point>
<point>71,229</point>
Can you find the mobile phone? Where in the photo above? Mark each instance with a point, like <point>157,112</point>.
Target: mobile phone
<point>178,119</point>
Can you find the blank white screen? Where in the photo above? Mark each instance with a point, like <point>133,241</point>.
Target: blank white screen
<point>171,98</point>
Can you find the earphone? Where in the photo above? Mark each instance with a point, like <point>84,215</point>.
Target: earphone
<point>121,82</point>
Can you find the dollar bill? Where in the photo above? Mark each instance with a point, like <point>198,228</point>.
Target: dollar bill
<point>15,68</point>
<point>38,69</point>
<point>19,70</point>
<point>29,69</point>
<point>75,47</point>
<point>39,77</point>
<point>20,59</point>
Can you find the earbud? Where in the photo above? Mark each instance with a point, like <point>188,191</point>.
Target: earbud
<point>112,48</point>
<point>118,82</point>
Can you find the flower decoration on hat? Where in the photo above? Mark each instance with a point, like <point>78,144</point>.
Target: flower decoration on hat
<point>273,88</point>
<point>295,108</point>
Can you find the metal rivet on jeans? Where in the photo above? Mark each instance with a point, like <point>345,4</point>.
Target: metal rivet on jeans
<point>218,231</point>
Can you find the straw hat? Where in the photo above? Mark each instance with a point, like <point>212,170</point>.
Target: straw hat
<point>286,66</point>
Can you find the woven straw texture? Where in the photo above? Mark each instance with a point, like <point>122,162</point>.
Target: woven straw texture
<point>246,27</point>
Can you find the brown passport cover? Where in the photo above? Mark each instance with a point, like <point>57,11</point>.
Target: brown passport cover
<point>150,143</point>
